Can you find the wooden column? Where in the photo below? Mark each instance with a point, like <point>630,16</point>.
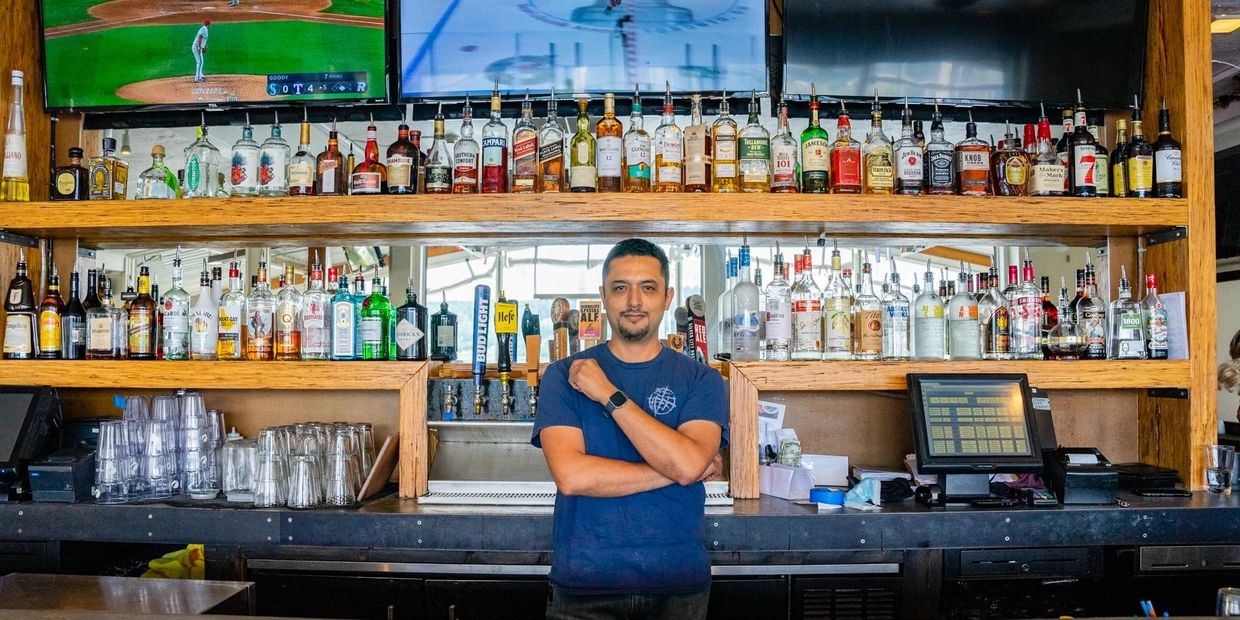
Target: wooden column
<point>743,433</point>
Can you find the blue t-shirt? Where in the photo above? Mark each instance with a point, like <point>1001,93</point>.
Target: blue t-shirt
<point>651,542</point>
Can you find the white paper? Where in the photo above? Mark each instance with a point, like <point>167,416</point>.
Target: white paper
<point>770,419</point>
<point>1083,459</point>
<point>1177,326</point>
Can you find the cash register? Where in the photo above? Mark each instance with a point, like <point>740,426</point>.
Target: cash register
<point>30,423</point>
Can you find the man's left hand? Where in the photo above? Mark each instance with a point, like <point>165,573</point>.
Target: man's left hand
<point>713,470</point>
<point>587,377</point>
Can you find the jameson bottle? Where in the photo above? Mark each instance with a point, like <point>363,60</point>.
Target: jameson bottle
<point>814,150</point>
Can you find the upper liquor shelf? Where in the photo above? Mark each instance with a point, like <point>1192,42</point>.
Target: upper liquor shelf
<point>582,218</point>
<point>231,375</point>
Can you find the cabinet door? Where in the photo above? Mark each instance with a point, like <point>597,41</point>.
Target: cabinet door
<point>468,599</point>
<point>336,596</point>
<point>745,599</point>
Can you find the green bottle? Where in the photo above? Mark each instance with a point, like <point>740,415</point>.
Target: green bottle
<point>376,324</point>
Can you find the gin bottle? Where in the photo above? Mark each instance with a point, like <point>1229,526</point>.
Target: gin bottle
<point>962,326</point>
<point>411,327</point>
<point>443,333</point>
<point>806,311</point>
<point>343,322</point>
<point>837,302</point>
<point>895,320</point>
<point>376,324</point>
<point>273,163</point>
<point>244,163</point>
<point>157,182</point>
<point>1127,328</point>
<point>174,311</point>
<point>745,308</point>
<point>928,322</point>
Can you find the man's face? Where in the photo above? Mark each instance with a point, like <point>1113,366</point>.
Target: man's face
<point>635,297</point>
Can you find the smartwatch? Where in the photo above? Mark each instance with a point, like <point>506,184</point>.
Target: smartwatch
<point>614,402</point>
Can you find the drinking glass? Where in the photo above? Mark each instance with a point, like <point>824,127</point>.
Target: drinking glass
<point>340,487</point>
<point>366,435</point>
<point>1218,462</point>
<point>156,472</point>
<point>136,408</point>
<point>112,458</point>
<point>303,486</point>
<point>1228,602</point>
<point>239,456</point>
<point>269,481</point>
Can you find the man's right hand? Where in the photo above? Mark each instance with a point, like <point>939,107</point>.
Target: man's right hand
<point>713,470</point>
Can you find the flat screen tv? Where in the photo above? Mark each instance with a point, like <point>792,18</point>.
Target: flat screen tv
<point>1017,52</point>
<point>456,47</point>
<point>118,54</point>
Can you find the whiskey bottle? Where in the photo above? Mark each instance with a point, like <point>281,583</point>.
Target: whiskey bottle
<point>71,182</point>
<point>778,314</point>
<point>837,303</point>
<point>231,313</point>
<point>202,166</point>
<point>551,151</point>
<point>288,318</point>
<point>273,157</point>
<point>243,175</point>
<point>157,182</point>
<point>494,165</point>
<point>909,155</point>
<point>14,180</point>
<point>1026,316</point>
<point>1127,327</point>
<point>1048,173</point>
<point>1082,149</point>
<point>1030,142</point>
<point>994,321</point>
<point>369,176</point>
<point>1139,159</point>
<point>1119,180</point>
<point>636,151</point>
<point>101,342</point>
<point>754,153</point>
<point>1102,158</point>
<point>375,324</point>
<point>204,325</point>
<point>174,316</point>
<point>723,135</point>
<point>443,333</point>
<point>402,162</point>
<point>1010,168</point>
<point>143,320</point>
<point>845,173</point>
<point>697,150</point>
<point>669,149</point>
<point>411,328</point>
<point>582,170</point>
<point>525,151</point>
<point>785,168</point>
<point>73,322</point>
<point>439,162</point>
<point>331,176</point>
<point>109,175</point>
<point>343,322</point>
<point>50,309</point>
<point>928,322</point>
<point>963,333</point>
<point>258,326</point>
<point>303,166</point>
<point>1050,316</point>
<point>609,148</point>
<point>806,311</point>
<point>868,320</point>
<point>1063,149</point>
<point>465,155</point>
<point>314,317</point>
<point>878,176</point>
<point>940,159</point>
<point>972,162</point>
<point>815,149</point>
<point>1155,320</point>
<point>1168,175</point>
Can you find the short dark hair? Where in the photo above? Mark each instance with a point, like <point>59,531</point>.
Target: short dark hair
<point>638,247</point>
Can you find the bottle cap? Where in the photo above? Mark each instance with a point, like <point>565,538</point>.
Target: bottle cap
<point>157,150</point>
<point>18,77</point>
<point>76,152</point>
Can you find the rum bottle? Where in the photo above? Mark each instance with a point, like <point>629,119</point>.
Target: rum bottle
<point>909,156</point>
<point>669,149</point>
<point>369,176</point>
<point>940,159</point>
<point>495,149</point>
<point>231,313</point>
<point>636,151</point>
<point>465,155</point>
<point>14,180</point>
<point>785,169</point>
<point>71,182</point>
<point>525,151</point>
<point>331,173</point>
<point>1155,320</point>
<point>610,148</point>
<point>288,318</point>
<point>174,316</point>
<point>439,162</point>
<point>723,137</point>
<point>273,162</point>
<point>258,326</point>
<point>972,162</point>
<point>582,170</point>
<point>1168,174</point>
<point>697,150</point>
<point>815,150</point>
<point>1139,159</point>
<point>143,320</point>
<point>302,167</point>
<point>845,173</point>
<point>551,151</point>
<point>402,163</point>
<point>878,176</point>
<point>204,326</point>
<point>243,169</point>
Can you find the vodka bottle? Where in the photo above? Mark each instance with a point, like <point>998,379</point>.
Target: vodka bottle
<point>895,321</point>
<point>928,322</point>
<point>806,312</point>
<point>778,315</point>
<point>745,310</point>
<point>962,325</point>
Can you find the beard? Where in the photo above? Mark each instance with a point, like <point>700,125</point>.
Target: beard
<point>633,335</point>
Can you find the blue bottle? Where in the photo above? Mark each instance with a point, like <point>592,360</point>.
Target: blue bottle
<point>344,323</point>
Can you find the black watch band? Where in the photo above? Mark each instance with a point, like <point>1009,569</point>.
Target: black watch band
<point>614,402</point>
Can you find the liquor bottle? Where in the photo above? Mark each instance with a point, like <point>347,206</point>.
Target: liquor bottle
<point>1048,174</point>
<point>331,176</point>
<point>1102,158</point>
<point>1139,159</point>
<point>360,297</point>
<point>551,151</point>
<point>878,174</point>
<point>1050,317</point>
<point>288,318</point>
<point>376,324</point>
<point>1010,168</point>
<point>157,182</point>
<point>1119,178</point>
<point>51,341</point>
<point>895,320</point>
<point>465,155</point>
<point>439,162</point>
<point>815,149</point>
<point>972,162</point>
<point>698,149</point>
<point>1026,316</point>
<point>610,148</point>
<point>785,168</point>
<point>243,175</point>
<point>1082,155</point>
<point>1080,292</point>
<point>928,322</point>
<point>202,165</point>
<point>582,170</point>
<point>724,151</point>
<point>174,316</point>
<point>1063,149</point>
<point>443,333</point>
<point>745,309</point>
<point>1030,142</point>
<point>669,149</point>
<point>369,176</point>
<point>231,313</point>
<point>806,311</point>
<point>837,303</point>
<point>99,328</point>
<point>754,152</point>
<point>636,151</point>
<point>411,328</point>
<point>868,322</point>
<point>845,175</point>
<point>525,150</point>
<point>204,325</point>
<point>1065,340</point>
<point>1091,317</point>
<point>143,320</point>
<point>1127,328</point>
<point>14,180</point>
<point>1168,172</point>
<point>313,317</point>
<point>71,182</point>
<point>73,322</point>
<point>257,328</point>
<point>963,330</point>
<point>994,321</point>
<point>417,178</point>
<point>757,281</point>
<point>109,175</point>
<point>778,321</point>
<point>402,162</point>
<point>909,156</point>
<point>494,165</point>
<point>303,166</point>
<point>344,322</point>
<point>940,159</point>
<point>273,157</point>
<point>1155,320</point>
<point>720,329</point>
<point>91,300</point>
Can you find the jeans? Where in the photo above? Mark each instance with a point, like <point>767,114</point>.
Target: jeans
<point>565,606</point>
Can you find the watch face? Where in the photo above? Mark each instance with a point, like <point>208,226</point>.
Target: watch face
<point>618,399</point>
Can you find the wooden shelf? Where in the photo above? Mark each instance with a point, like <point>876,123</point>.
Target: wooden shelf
<point>866,376</point>
<point>235,375</point>
<point>533,218</point>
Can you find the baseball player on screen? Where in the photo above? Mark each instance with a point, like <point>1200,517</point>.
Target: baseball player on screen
<point>199,48</point>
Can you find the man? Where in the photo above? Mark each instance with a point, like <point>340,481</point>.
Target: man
<point>631,430</point>
<point>199,48</point>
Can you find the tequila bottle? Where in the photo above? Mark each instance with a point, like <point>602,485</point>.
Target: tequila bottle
<point>273,158</point>
<point>369,176</point>
<point>109,174</point>
<point>376,324</point>
<point>343,322</point>
<point>303,166</point>
<point>582,169</point>
<point>868,319</point>
<point>204,326</point>
<point>174,315</point>
<point>1155,320</point>
<point>910,169</point>
<point>755,152</point>
<point>778,314</point>
<point>636,151</point>
<point>495,149</point>
<point>723,134</point>
<point>332,175</point>
<point>1127,326</point>
<point>610,148</point>
<point>940,159</point>
<point>928,322</point>
<point>785,169</point>
<point>964,339</point>
<point>845,173</point>
<point>465,155</point>
<point>697,150</point>
<point>439,162</point>
<point>895,320</point>
<point>288,318</point>
<point>806,310</point>
<point>243,170</point>
<point>879,171</point>
<point>157,182</point>
<point>15,181</point>
<point>745,308</point>
<point>669,149</point>
<point>202,166</point>
<point>259,323</point>
<point>837,317</point>
<point>815,149</point>
<point>71,182</point>
<point>443,333</point>
<point>551,151</point>
<point>525,151</point>
<point>1026,316</point>
<point>315,317</point>
<point>231,312</point>
<point>994,319</point>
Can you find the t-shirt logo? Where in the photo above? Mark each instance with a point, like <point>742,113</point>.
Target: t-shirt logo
<point>661,402</point>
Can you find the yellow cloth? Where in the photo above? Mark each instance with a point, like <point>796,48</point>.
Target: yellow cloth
<point>187,563</point>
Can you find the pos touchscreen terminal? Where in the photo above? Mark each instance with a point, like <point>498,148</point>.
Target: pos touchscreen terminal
<point>970,426</point>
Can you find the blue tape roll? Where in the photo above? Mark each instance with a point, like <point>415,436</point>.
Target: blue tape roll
<point>822,495</point>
